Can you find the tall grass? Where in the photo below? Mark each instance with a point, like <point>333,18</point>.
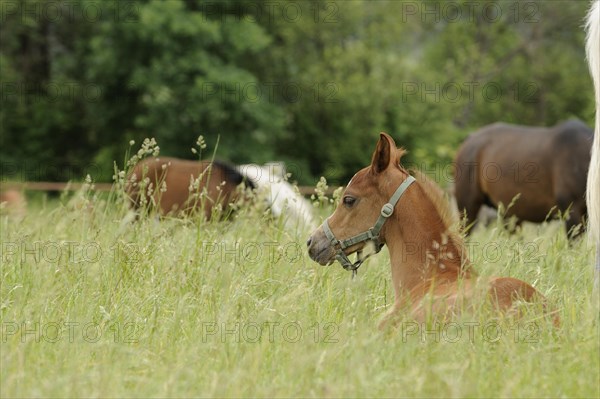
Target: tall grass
<point>94,305</point>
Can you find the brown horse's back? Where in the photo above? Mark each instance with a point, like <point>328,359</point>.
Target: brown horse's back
<point>181,186</point>
<point>546,167</point>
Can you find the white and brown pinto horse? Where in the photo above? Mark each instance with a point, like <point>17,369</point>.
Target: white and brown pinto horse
<point>593,182</point>
<point>179,187</point>
<point>281,197</point>
<point>384,205</point>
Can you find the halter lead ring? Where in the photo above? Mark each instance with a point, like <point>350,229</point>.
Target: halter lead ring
<point>370,235</point>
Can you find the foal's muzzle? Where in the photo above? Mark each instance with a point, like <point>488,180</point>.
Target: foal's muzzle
<point>319,248</point>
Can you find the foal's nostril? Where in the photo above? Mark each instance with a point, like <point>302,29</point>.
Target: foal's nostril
<point>308,242</point>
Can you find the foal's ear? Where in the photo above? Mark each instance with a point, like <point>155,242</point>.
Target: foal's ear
<point>385,154</point>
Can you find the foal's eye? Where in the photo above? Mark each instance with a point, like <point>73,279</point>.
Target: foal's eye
<point>349,201</point>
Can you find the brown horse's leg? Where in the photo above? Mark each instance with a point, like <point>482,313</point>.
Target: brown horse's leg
<point>575,219</point>
<point>504,291</point>
<point>469,205</point>
<point>577,210</point>
<point>468,193</point>
<point>390,318</point>
<point>571,226</point>
<point>513,225</point>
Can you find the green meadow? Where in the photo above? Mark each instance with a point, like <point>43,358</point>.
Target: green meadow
<point>96,305</point>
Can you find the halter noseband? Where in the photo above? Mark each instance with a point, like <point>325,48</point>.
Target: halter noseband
<point>370,235</point>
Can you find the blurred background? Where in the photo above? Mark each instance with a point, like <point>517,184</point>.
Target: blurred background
<point>310,83</point>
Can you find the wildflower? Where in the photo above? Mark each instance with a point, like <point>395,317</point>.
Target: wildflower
<point>321,192</point>
<point>200,142</point>
<point>337,195</point>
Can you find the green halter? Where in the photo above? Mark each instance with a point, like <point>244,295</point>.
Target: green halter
<point>370,235</point>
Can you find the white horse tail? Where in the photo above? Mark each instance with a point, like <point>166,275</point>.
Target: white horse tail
<point>280,196</point>
<point>593,183</point>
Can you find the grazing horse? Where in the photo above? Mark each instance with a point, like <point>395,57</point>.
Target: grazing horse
<point>545,167</point>
<point>178,186</point>
<point>593,182</point>
<point>280,195</point>
<point>384,205</point>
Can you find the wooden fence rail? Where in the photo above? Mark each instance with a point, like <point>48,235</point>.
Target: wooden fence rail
<point>58,186</point>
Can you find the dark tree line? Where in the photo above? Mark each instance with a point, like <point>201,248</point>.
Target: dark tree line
<point>308,82</point>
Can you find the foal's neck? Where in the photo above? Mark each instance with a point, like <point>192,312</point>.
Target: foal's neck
<point>421,246</point>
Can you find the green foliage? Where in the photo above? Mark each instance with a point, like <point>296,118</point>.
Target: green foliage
<point>308,82</point>
<point>176,85</point>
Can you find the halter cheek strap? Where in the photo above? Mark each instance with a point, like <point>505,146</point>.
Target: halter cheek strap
<point>370,235</point>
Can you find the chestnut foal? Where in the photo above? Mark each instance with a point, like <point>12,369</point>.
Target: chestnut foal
<point>384,204</point>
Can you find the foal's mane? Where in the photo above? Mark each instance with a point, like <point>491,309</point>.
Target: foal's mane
<point>438,198</point>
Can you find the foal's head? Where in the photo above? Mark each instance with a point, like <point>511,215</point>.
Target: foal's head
<point>361,203</point>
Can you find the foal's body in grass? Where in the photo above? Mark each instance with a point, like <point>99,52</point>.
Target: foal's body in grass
<point>430,269</point>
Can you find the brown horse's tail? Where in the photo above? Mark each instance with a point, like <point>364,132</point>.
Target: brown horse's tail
<point>234,176</point>
<point>593,183</point>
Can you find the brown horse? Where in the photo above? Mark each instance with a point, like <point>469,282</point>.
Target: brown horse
<point>177,186</point>
<point>545,167</point>
<point>430,270</point>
